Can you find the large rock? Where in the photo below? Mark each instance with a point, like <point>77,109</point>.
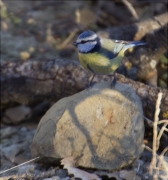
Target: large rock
<point>101,127</point>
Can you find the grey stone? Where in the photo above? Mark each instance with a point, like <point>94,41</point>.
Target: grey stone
<point>99,127</point>
<point>15,115</point>
<point>62,173</point>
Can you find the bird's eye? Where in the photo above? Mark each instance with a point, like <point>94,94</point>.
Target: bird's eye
<point>82,41</point>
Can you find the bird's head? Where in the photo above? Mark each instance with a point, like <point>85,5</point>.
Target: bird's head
<point>87,42</point>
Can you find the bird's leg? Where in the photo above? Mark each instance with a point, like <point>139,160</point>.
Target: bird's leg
<point>114,81</point>
<point>91,82</point>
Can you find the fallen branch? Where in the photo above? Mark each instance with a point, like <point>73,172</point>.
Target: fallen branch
<point>34,81</point>
<point>138,30</point>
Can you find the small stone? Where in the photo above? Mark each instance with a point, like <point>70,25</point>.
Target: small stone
<point>127,175</point>
<point>62,173</point>
<point>16,114</point>
<point>100,128</point>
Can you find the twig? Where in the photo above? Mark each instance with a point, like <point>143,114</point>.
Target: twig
<point>166,130</point>
<point>160,134</point>
<point>161,159</point>
<point>69,38</point>
<point>162,121</point>
<point>156,119</point>
<point>164,151</point>
<point>131,9</point>
<point>150,124</point>
<point>78,16</point>
<point>162,164</point>
<point>19,165</point>
<point>148,121</point>
<point>148,148</point>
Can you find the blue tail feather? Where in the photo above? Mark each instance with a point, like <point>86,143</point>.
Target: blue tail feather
<point>134,43</point>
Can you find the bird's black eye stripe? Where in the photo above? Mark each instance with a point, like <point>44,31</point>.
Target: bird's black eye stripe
<point>82,42</point>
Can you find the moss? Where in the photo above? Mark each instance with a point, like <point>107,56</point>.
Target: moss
<point>165,115</point>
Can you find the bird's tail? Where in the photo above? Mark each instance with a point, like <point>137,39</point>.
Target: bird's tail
<point>133,44</point>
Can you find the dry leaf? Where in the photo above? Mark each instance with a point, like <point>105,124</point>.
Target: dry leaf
<point>69,164</point>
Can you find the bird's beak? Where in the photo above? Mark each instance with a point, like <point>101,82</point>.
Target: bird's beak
<point>74,43</point>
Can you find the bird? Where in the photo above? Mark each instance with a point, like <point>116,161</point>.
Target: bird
<point>101,56</point>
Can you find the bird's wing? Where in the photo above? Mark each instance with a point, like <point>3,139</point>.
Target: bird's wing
<point>113,47</point>
<point>118,45</point>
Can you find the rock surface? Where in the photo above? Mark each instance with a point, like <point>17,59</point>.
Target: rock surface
<point>100,127</point>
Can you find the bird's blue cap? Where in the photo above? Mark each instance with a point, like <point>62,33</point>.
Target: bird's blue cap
<point>86,34</point>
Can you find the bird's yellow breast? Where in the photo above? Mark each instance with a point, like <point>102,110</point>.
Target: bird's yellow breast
<point>99,63</point>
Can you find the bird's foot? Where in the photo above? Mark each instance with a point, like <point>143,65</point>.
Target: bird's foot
<point>114,81</point>
<point>91,84</point>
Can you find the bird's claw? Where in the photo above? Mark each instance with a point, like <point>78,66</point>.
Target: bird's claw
<point>114,81</point>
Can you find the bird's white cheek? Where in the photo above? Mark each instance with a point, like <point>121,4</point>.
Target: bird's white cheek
<point>87,46</point>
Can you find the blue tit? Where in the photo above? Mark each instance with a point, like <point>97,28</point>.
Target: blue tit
<point>101,56</point>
